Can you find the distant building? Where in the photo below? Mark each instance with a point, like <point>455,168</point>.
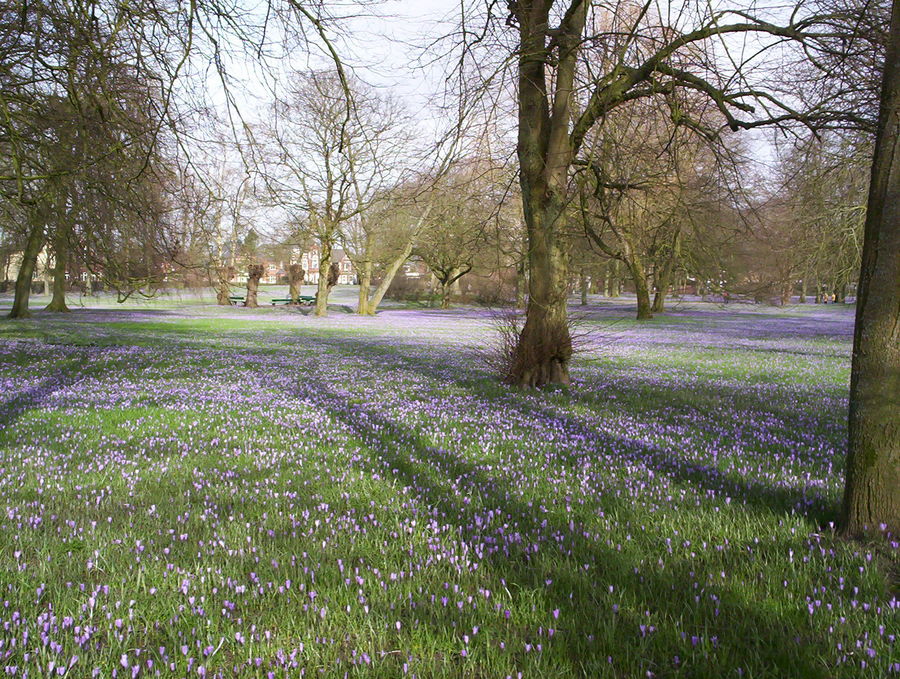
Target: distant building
<point>309,260</point>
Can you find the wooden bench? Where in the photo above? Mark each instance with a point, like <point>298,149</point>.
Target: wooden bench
<point>234,299</point>
<point>281,300</point>
<point>306,299</point>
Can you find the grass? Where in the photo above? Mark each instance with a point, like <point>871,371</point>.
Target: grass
<point>189,492</point>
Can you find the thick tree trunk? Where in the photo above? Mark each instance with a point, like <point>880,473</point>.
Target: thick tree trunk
<point>607,290</point>
<point>295,281</point>
<point>545,345</point>
<point>583,282</point>
<point>26,272</point>
<point>58,302</point>
<point>642,291</point>
<point>365,286</point>
<point>223,289</point>
<point>545,150</point>
<point>446,294</point>
<point>872,493</point>
<point>331,280</point>
<point>254,273</point>
<point>803,290</point>
<point>641,287</point>
<point>322,288</point>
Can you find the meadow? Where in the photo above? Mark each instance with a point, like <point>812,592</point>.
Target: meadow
<point>191,491</point>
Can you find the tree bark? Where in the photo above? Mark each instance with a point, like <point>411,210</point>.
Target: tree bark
<point>583,282</point>
<point>295,281</point>
<point>545,150</point>
<point>642,291</point>
<point>802,299</point>
<point>322,287</point>
<point>223,289</point>
<point>254,273</point>
<point>446,294</point>
<point>58,302</point>
<point>324,290</point>
<point>872,492</point>
<point>26,271</point>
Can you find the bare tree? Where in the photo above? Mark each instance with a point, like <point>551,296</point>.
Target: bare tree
<point>333,149</point>
<point>577,62</point>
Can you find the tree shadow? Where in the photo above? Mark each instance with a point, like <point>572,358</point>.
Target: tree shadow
<point>667,460</point>
<point>537,546</point>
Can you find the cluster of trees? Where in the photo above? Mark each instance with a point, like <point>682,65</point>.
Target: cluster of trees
<point>627,164</point>
<point>83,170</point>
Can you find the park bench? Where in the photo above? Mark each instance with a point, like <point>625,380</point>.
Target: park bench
<point>302,299</point>
<point>234,299</point>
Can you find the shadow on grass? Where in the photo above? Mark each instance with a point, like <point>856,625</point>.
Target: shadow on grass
<point>667,460</point>
<point>539,546</point>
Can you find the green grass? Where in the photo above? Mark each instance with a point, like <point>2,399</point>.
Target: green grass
<point>175,479</point>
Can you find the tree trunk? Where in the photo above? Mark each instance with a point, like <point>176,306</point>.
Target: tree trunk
<point>666,273</point>
<point>545,346</point>
<point>659,302</point>
<point>641,287</point>
<point>58,302</point>
<point>334,272</point>
<point>786,291</point>
<point>295,281</point>
<point>607,276</point>
<point>642,292</point>
<point>26,272</point>
<point>545,150</point>
<point>583,282</point>
<point>872,493</point>
<point>446,294</point>
<point>616,289</point>
<point>802,299</point>
<point>223,289</point>
<point>365,285</point>
<point>389,275</point>
<point>322,288</point>
<point>254,273</point>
